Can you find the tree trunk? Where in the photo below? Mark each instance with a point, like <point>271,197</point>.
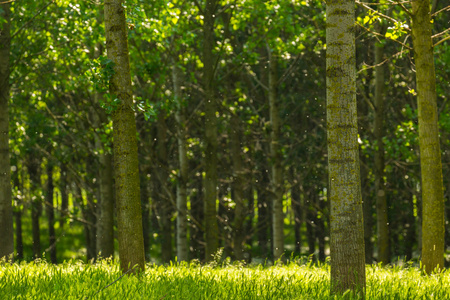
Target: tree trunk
<point>128,205</point>
<point>161,191</point>
<point>347,231</point>
<point>264,219</point>
<point>320,228</point>
<point>311,222</point>
<point>238,188</point>
<point>296,203</point>
<point>50,211</point>
<point>146,209</point>
<point>6,212</point>
<point>430,153</point>
<point>18,213</point>
<point>378,131</point>
<point>367,213</point>
<point>182,225</point>
<point>275,158</point>
<point>36,205</point>
<point>64,195</point>
<point>197,248</point>
<point>210,160</point>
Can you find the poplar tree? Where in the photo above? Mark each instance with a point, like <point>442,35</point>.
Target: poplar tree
<point>347,230</point>
<point>430,152</point>
<point>126,170</point>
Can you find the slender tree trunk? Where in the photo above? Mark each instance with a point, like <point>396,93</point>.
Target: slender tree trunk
<point>146,208</point>
<point>298,218</point>
<point>210,160</point>
<point>128,205</point>
<point>6,212</point>
<point>36,205</point>
<point>275,156</point>
<point>162,191</point>
<point>378,130</point>
<point>182,225</point>
<point>430,153</point>
<point>18,214</point>
<point>320,229</point>
<point>264,219</point>
<point>238,188</point>
<point>347,229</point>
<point>311,223</point>
<point>367,213</point>
<point>105,201</point>
<point>50,211</point>
<point>64,195</point>
<point>197,213</point>
<point>105,222</point>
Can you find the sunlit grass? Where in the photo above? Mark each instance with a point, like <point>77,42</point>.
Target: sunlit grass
<point>77,280</point>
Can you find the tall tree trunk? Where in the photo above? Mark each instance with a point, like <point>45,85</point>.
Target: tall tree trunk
<point>367,213</point>
<point>162,191</point>
<point>275,158</point>
<point>378,131</point>
<point>146,208</point>
<point>50,211</point>
<point>197,247</point>
<point>36,205</point>
<point>105,222</point>
<point>311,214</point>
<point>182,225</point>
<point>6,212</point>
<point>210,160</point>
<point>18,213</point>
<point>238,188</point>
<point>64,194</point>
<point>297,208</point>
<point>264,219</point>
<point>105,201</point>
<point>128,204</point>
<point>430,153</point>
<point>320,228</point>
<point>347,231</point>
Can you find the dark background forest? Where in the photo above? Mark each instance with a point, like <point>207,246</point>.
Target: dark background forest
<point>61,130</point>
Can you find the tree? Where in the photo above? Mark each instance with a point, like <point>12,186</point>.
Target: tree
<point>275,159</point>
<point>378,131</point>
<point>347,233</point>
<point>430,153</point>
<point>6,213</point>
<point>210,161</point>
<point>129,217</point>
<point>182,243</point>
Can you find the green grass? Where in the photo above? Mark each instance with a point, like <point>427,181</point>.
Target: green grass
<point>77,280</point>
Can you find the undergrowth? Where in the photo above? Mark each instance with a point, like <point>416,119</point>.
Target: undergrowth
<point>294,280</point>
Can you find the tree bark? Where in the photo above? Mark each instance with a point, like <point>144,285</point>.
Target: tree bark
<point>430,153</point>
<point>347,231</point>
<point>378,131</point>
<point>50,211</point>
<point>275,159</point>
<point>64,195</point>
<point>36,205</point>
<point>128,205</point>
<point>210,160</point>
<point>161,191</point>
<point>182,225</point>
<point>18,212</point>
<point>6,212</point>
<point>238,188</point>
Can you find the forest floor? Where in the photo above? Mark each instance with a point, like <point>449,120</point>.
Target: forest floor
<point>225,280</point>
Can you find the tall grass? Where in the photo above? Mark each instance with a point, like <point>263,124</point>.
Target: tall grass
<point>77,280</point>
